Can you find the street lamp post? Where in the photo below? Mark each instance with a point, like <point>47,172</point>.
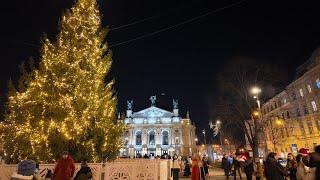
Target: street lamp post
<point>256,91</point>
<point>204,136</point>
<point>196,140</point>
<point>256,121</point>
<point>205,142</point>
<point>218,124</point>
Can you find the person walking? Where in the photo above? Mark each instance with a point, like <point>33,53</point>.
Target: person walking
<point>205,169</point>
<point>291,166</point>
<point>65,167</point>
<point>236,166</point>
<point>248,168</point>
<point>84,173</point>
<point>175,170</point>
<point>225,165</point>
<point>273,169</point>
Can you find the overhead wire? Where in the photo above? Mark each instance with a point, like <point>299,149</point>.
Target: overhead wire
<point>134,23</point>
<point>160,30</point>
<point>177,25</point>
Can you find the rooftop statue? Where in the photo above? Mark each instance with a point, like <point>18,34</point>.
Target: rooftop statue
<point>129,105</point>
<point>175,104</point>
<point>153,100</point>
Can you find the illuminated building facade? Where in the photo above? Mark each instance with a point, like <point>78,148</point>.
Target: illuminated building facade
<point>155,131</point>
<point>292,117</point>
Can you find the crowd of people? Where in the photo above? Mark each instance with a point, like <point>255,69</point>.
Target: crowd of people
<point>64,170</point>
<point>303,166</point>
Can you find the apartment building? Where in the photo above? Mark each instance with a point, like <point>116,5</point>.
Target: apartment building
<point>292,118</point>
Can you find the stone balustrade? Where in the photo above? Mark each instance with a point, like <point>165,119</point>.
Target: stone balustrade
<point>140,169</point>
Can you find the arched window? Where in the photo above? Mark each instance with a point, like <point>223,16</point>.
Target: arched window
<point>165,138</point>
<point>138,138</point>
<point>151,138</point>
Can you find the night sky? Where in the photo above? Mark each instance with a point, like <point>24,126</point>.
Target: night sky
<point>179,63</point>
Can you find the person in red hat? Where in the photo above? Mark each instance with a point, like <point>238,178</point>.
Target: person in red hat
<point>304,152</point>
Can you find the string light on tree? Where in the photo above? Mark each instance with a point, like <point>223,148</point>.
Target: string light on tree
<point>66,104</point>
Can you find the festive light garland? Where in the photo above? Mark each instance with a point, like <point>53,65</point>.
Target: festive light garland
<point>66,105</point>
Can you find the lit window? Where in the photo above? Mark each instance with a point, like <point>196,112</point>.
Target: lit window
<point>301,92</point>
<point>314,106</point>
<point>152,138</point>
<point>165,138</point>
<point>138,138</point>
<point>284,101</point>
<point>309,88</point>
<point>318,83</point>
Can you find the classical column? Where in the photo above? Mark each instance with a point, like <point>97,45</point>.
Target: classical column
<point>158,136</point>
<point>130,136</point>
<point>171,136</point>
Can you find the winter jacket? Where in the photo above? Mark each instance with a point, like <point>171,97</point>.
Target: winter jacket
<point>84,173</point>
<point>248,166</point>
<point>292,168</point>
<point>27,167</point>
<point>273,170</point>
<point>64,169</point>
<point>314,162</point>
<point>225,164</point>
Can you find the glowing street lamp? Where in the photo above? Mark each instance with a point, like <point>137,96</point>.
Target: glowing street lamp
<point>256,91</point>
<point>256,113</point>
<point>279,122</point>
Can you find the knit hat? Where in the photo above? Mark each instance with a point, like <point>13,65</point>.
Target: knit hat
<point>304,152</point>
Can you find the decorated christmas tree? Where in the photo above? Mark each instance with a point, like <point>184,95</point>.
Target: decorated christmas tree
<point>66,103</point>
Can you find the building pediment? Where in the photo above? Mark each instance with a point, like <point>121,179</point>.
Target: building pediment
<point>152,112</point>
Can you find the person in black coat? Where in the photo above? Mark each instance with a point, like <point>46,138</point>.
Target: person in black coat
<point>248,168</point>
<point>314,161</point>
<point>273,169</point>
<point>186,172</point>
<point>205,168</point>
<point>225,165</point>
<point>84,173</point>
